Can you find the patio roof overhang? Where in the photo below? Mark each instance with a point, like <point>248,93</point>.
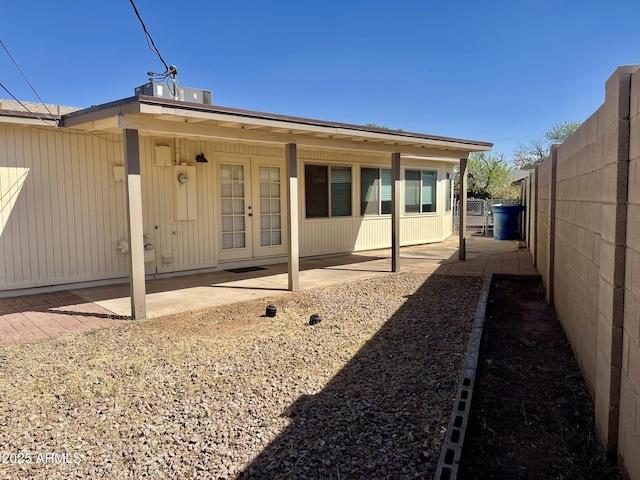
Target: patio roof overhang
<point>170,118</point>
<point>152,116</point>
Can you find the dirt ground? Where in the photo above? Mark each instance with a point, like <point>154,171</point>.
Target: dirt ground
<point>532,415</point>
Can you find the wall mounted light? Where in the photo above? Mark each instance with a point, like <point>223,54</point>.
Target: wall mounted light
<point>182,178</point>
<point>200,158</point>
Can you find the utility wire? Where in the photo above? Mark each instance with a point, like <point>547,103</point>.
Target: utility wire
<point>24,106</point>
<point>150,42</point>
<point>24,76</point>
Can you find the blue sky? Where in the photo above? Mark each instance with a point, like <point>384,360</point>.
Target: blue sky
<point>501,71</point>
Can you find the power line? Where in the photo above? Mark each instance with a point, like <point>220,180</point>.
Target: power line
<point>24,76</point>
<point>150,42</point>
<point>25,107</point>
<point>170,72</point>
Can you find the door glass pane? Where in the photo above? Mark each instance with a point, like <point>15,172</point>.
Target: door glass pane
<point>227,206</point>
<point>238,189</point>
<point>227,241</point>
<point>238,173</point>
<point>225,174</point>
<point>265,238</point>
<point>270,201</point>
<point>227,223</point>
<point>225,190</point>
<point>238,240</point>
<point>232,206</point>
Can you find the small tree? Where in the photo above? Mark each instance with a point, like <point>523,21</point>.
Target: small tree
<point>526,157</point>
<point>489,176</point>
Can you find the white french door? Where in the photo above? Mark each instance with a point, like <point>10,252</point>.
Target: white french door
<point>252,207</point>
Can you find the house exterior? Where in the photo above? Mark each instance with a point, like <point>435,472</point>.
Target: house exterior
<point>148,186</point>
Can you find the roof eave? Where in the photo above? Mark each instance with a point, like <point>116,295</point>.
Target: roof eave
<point>283,128</point>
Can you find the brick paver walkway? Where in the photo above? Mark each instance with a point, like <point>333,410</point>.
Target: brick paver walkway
<point>49,315</point>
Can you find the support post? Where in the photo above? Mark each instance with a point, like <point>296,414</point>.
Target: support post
<point>293,245</point>
<point>396,200</point>
<point>462,211</point>
<point>134,222</point>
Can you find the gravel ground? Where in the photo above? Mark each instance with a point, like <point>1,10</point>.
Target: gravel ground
<point>230,393</point>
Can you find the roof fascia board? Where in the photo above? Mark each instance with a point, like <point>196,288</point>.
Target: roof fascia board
<point>168,127</point>
<point>178,106</point>
<point>303,128</point>
<point>27,120</point>
<point>80,118</point>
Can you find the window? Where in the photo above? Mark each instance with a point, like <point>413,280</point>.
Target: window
<point>375,191</point>
<point>327,191</point>
<point>448,187</point>
<point>420,191</point>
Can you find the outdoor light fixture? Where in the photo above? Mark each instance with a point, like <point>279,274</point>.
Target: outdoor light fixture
<point>182,178</point>
<point>200,158</point>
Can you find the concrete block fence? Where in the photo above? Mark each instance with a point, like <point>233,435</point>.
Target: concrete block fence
<point>584,235</point>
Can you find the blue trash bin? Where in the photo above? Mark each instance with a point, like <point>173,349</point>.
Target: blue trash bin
<point>505,221</point>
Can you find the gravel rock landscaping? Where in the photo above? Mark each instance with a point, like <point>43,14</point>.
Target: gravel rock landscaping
<point>232,393</point>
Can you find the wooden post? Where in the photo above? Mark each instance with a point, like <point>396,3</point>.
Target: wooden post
<point>134,221</point>
<point>293,247</point>
<point>396,200</point>
<point>462,211</point>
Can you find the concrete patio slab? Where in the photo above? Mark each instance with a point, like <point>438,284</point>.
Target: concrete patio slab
<point>44,316</point>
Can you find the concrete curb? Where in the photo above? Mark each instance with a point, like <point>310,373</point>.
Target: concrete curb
<point>451,452</point>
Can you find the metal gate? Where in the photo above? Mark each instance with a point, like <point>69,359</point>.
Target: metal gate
<point>479,215</point>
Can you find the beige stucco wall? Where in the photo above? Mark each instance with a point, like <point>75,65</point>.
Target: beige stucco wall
<point>587,251</point>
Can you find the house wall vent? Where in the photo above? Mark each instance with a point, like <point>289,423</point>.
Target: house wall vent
<point>182,94</point>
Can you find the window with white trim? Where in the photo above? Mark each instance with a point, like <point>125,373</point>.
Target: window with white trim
<point>375,191</point>
<point>420,191</point>
<point>327,190</point>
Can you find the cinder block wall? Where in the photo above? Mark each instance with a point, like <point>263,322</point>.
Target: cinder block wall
<point>543,216</point>
<point>629,434</point>
<point>587,249</point>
